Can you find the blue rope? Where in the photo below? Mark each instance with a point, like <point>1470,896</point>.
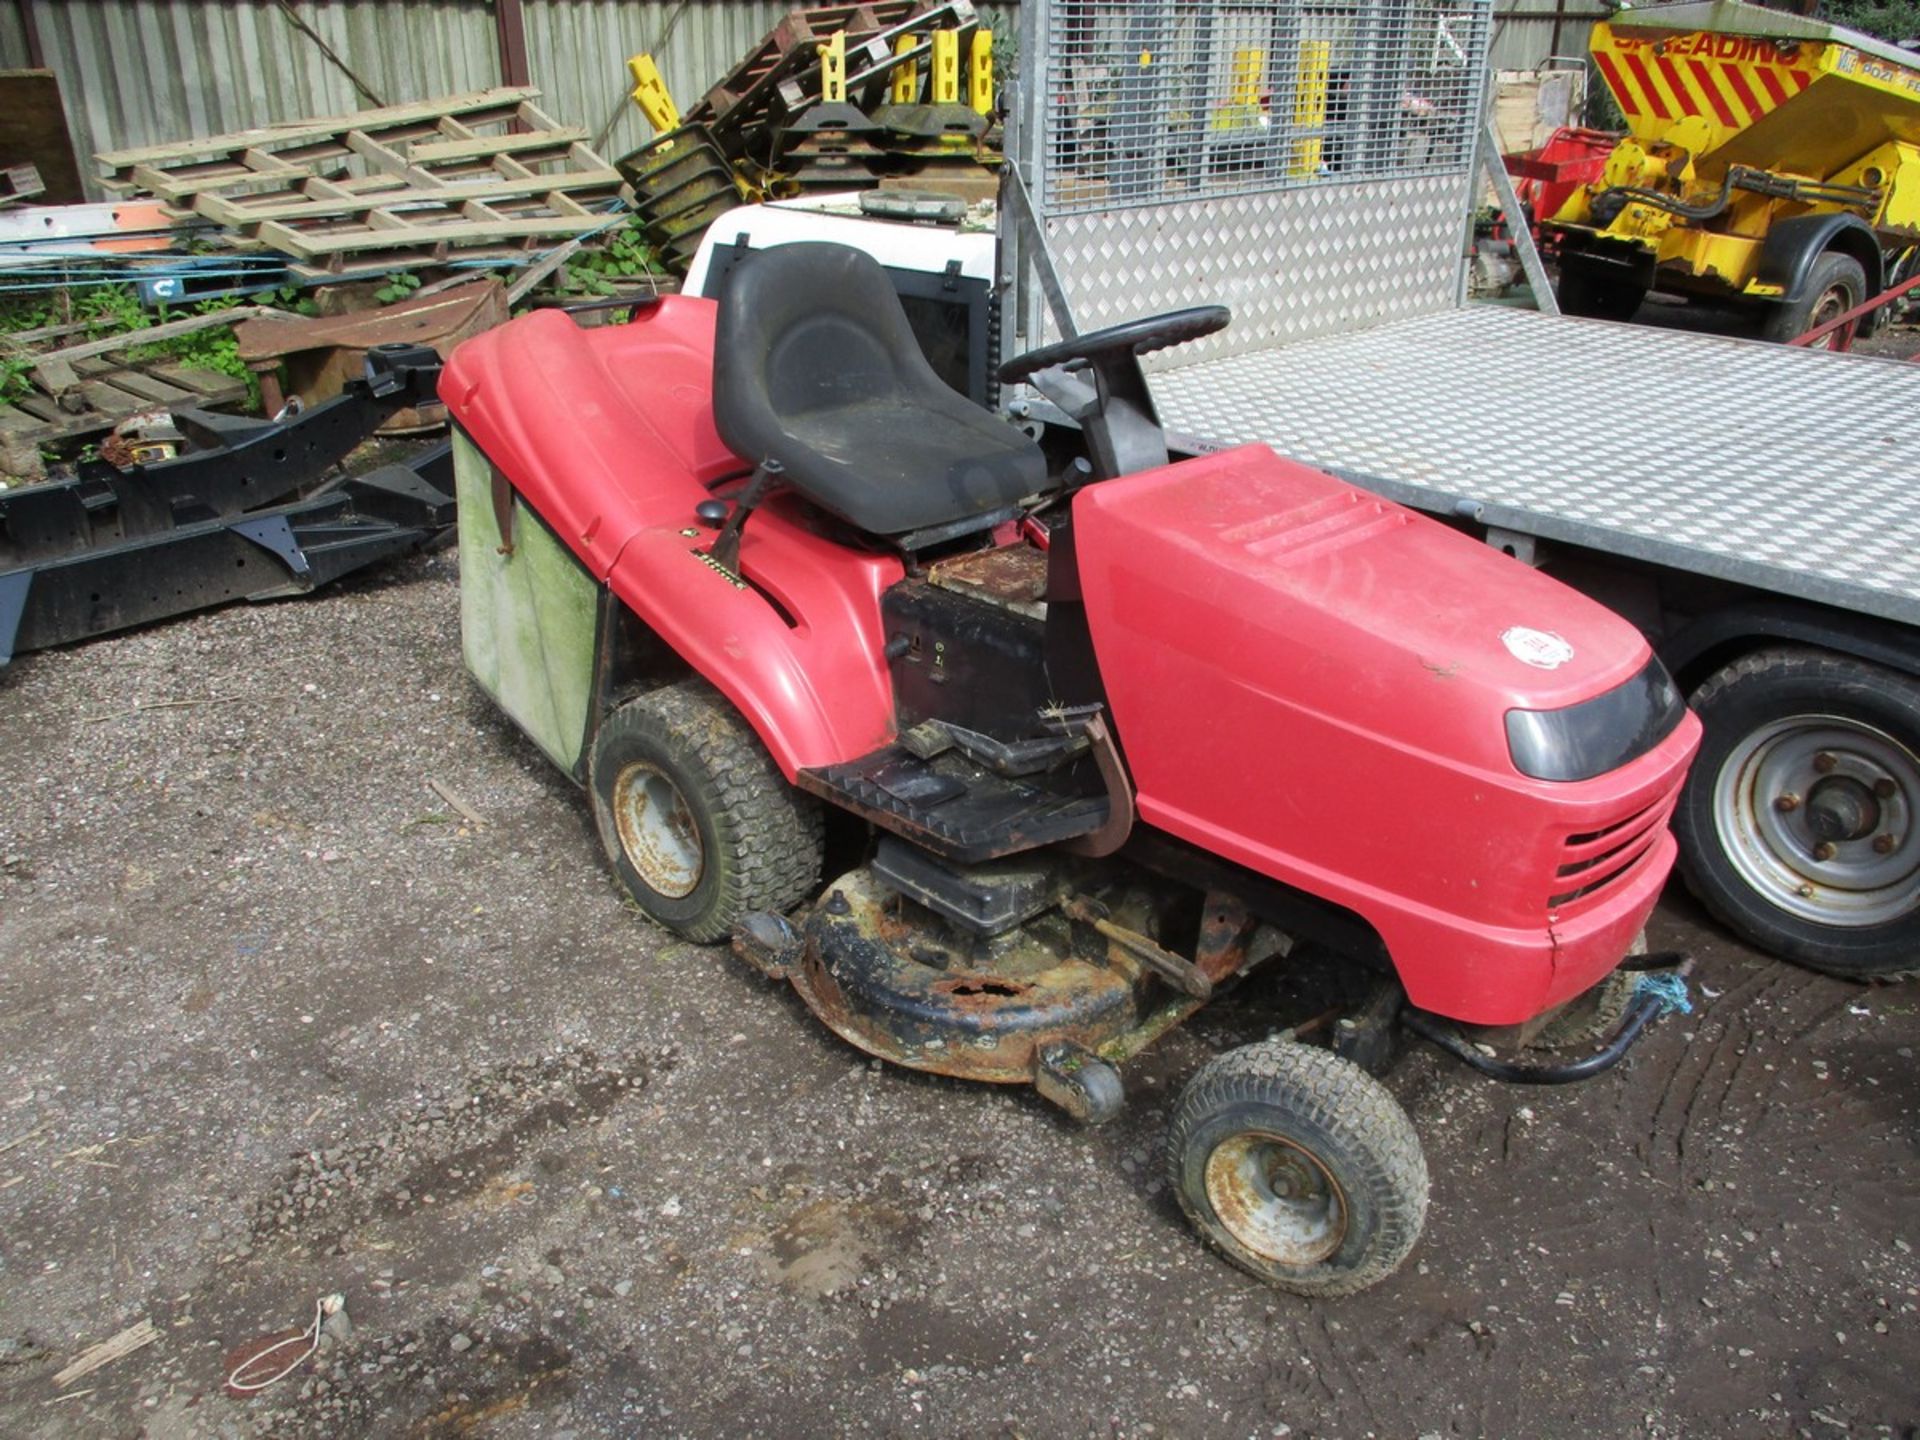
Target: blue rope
<point>1669,989</point>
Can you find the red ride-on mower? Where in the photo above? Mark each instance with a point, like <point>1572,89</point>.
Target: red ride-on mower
<point>1119,726</point>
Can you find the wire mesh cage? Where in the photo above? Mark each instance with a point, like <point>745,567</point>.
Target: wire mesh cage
<point>1149,101</point>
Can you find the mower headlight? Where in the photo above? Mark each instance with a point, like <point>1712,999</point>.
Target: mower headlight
<point>1597,735</point>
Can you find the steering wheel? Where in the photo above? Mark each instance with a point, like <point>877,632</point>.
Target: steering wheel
<point>1134,337</point>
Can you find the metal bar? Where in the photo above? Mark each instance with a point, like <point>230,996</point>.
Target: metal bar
<point>1859,312</point>
<point>1640,1014</point>
<point>1033,249</point>
<point>510,21</point>
<point>1518,225</point>
<point>1554,15</point>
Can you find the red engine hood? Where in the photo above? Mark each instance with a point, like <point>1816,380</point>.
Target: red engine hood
<point>1314,682</point>
<point>1309,589</point>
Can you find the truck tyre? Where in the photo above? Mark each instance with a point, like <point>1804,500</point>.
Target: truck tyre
<point>1834,286</point>
<point>1599,292</point>
<point>699,823</point>
<point>1299,1167</point>
<point>1799,826</point>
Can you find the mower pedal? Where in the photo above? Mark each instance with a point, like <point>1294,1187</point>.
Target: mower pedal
<point>953,807</point>
<point>1079,1082</point>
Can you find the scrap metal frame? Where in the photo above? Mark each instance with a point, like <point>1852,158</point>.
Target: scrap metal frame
<point>257,510</point>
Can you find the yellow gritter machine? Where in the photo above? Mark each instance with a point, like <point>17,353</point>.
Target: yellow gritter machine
<point>1770,159</point>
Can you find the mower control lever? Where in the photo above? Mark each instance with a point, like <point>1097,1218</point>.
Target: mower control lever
<point>725,550</point>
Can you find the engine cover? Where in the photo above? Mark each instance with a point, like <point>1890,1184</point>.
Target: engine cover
<point>1313,681</point>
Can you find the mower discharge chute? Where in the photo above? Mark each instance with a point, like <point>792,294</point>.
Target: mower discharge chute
<point>1117,725</point>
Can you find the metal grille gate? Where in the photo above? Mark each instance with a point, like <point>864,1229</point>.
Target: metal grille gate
<point>1305,162</point>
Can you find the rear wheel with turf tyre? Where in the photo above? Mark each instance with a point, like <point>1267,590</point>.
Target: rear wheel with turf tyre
<point>1799,826</point>
<point>699,823</point>
<point>1299,1167</point>
<point>1834,286</point>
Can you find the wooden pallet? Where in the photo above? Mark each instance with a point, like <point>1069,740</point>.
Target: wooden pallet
<point>109,389</point>
<point>19,182</point>
<point>782,77</point>
<point>288,153</point>
<point>411,185</point>
<point>791,47</point>
<point>322,203</point>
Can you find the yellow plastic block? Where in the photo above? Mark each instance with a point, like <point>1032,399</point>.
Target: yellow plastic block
<point>980,72</point>
<point>946,67</point>
<point>833,68</point>
<point>650,94</point>
<point>906,74</point>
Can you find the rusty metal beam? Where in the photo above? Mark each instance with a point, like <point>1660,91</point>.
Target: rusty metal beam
<point>510,22</point>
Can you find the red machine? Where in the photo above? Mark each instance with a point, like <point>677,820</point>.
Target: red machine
<point>1109,726</point>
<point>1545,179</point>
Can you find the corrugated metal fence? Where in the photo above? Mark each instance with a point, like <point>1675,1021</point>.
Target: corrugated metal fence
<point>145,72</point>
<point>1527,33</point>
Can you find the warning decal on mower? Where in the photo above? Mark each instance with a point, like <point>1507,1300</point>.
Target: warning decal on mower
<point>1540,648</point>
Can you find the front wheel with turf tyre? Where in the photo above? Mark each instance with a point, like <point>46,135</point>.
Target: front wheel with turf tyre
<point>1298,1166</point>
<point>1834,286</point>
<point>699,823</point>
<point>1799,827</point>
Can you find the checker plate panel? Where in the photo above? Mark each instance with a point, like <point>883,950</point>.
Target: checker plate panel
<point>1791,470</point>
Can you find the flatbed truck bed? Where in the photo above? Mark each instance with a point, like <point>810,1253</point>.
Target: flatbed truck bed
<point>1792,471</point>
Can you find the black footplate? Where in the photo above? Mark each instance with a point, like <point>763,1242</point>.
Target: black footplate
<point>953,807</point>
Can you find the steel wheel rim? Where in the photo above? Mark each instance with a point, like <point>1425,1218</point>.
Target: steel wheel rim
<point>1276,1199</point>
<point>658,830</point>
<point>1794,786</point>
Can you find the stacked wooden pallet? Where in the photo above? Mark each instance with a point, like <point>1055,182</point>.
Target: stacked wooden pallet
<point>780,77</point>
<point>479,176</point>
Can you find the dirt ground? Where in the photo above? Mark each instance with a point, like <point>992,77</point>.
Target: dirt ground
<point>278,1021</point>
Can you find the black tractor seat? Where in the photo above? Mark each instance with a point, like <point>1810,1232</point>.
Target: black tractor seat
<point>816,366</point>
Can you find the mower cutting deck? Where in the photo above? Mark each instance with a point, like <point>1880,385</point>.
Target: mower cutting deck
<point>1119,725</point>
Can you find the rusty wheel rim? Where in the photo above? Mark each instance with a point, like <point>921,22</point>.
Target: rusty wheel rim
<point>1831,306</point>
<point>658,830</point>
<point>1276,1199</point>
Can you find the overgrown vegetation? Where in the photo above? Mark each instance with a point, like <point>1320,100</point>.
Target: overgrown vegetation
<point>1894,20</point>
<point>103,311</point>
<point>623,253</point>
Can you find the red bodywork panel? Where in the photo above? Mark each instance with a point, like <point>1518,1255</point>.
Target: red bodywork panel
<point>608,435</point>
<point>1313,682</point>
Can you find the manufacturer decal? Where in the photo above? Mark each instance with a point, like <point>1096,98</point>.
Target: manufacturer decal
<point>1541,649</point>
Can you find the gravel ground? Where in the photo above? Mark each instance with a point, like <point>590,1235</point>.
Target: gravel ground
<point>277,1020</point>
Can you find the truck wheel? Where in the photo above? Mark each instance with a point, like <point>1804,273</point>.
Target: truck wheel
<point>1299,1167</point>
<point>1834,286</point>
<point>1799,826</point>
<point>699,823</point>
<point>1597,292</point>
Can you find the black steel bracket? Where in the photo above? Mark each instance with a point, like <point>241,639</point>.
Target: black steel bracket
<point>1646,1005</point>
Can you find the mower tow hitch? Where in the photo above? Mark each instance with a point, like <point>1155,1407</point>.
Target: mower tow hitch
<point>1649,1001</point>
